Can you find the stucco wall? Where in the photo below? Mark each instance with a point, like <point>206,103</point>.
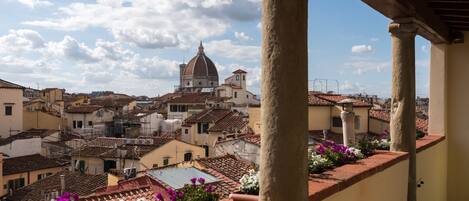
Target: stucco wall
<point>255,119</point>
<point>174,150</point>
<point>391,183</point>
<point>378,126</point>
<point>27,179</point>
<point>38,119</point>
<point>458,126</point>
<point>22,147</point>
<point>239,148</point>
<point>388,185</point>
<point>15,121</point>
<point>319,118</point>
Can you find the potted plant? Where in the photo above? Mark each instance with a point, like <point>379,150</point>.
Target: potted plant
<point>198,191</point>
<point>249,187</point>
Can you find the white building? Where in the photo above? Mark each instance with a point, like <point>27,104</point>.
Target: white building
<point>88,119</point>
<point>28,142</point>
<point>236,91</point>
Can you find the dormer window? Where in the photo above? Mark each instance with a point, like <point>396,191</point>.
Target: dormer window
<point>237,77</point>
<point>244,77</point>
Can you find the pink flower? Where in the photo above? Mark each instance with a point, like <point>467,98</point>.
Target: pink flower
<point>193,180</point>
<point>201,181</point>
<point>159,196</point>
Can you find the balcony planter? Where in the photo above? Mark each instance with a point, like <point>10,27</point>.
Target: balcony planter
<point>244,197</point>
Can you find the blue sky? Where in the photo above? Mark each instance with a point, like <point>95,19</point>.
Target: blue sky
<point>134,46</point>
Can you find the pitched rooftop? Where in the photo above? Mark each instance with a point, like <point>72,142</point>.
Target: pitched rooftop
<point>31,133</point>
<point>232,122</point>
<point>9,85</point>
<point>208,116</point>
<point>74,182</point>
<point>384,115</point>
<point>83,109</point>
<point>27,164</point>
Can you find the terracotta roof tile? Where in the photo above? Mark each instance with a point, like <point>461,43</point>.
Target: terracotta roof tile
<point>200,97</point>
<point>75,182</point>
<point>6,84</point>
<point>384,115</point>
<point>227,165</point>
<point>254,139</point>
<point>335,98</point>
<point>315,101</point>
<point>31,133</point>
<point>83,109</point>
<point>208,115</point>
<point>232,122</point>
<point>239,71</point>
<point>28,163</point>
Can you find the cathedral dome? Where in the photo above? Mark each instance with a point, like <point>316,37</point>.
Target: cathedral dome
<point>201,67</point>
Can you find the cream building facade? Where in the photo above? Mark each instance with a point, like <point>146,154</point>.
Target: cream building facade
<point>100,158</point>
<point>88,119</point>
<point>11,108</point>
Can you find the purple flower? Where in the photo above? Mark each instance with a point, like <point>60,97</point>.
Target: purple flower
<point>209,188</point>
<point>159,196</point>
<point>170,191</point>
<point>65,195</point>
<point>75,197</point>
<point>201,181</point>
<point>193,180</point>
<point>180,194</point>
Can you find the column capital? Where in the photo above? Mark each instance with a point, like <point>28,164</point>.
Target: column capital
<point>403,27</point>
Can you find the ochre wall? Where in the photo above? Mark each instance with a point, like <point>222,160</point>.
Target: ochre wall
<point>378,126</point>
<point>388,185</point>
<point>175,150</point>
<point>319,117</point>
<point>32,177</point>
<point>457,122</point>
<point>255,119</point>
<point>15,121</point>
<point>431,169</point>
<point>391,183</point>
<point>38,119</point>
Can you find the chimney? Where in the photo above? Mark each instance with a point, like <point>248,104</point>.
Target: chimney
<point>62,183</point>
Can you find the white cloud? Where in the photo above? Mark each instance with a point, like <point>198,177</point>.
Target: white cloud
<point>374,39</point>
<point>154,23</point>
<point>348,87</point>
<point>227,49</point>
<point>242,36</point>
<point>361,66</point>
<point>361,49</point>
<point>35,3</point>
<point>20,40</point>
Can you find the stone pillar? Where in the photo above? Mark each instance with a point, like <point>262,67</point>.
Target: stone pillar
<point>284,107</point>
<point>348,127</point>
<point>403,96</point>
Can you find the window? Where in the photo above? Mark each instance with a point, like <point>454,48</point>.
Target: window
<point>8,110</point>
<point>188,156</point>
<point>42,176</point>
<point>74,124</point>
<point>336,122</point>
<point>173,108</point>
<point>178,108</point>
<point>166,160</point>
<point>247,96</point>
<point>90,123</point>
<point>155,165</point>
<point>236,94</point>
<point>200,83</point>
<point>206,150</point>
<point>237,77</point>
<point>186,131</point>
<point>109,164</point>
<point>244,77</point>
<point>211,83</point>
<point>357,122</point>
<point>188,83</point>
<point>79,165</point>
<point>79,124</point>
<point>202,128</point>
<point>15,183</point>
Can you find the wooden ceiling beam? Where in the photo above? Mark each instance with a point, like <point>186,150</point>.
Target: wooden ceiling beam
<point>435,29</point>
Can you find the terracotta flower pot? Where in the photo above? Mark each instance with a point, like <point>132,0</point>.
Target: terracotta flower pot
<point>244,197</point>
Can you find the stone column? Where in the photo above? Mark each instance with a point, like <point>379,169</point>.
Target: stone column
<point>284,110</point>
<point>403,96</point>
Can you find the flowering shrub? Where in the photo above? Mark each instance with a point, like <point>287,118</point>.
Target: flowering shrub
<point>250,183</point>
<point>382,144</point>
<point>66,196</point>
<point>192,192</point>
<point>317,163</point>
<point>339,154</point>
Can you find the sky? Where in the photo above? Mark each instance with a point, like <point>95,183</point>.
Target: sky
<point>135,46</point>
